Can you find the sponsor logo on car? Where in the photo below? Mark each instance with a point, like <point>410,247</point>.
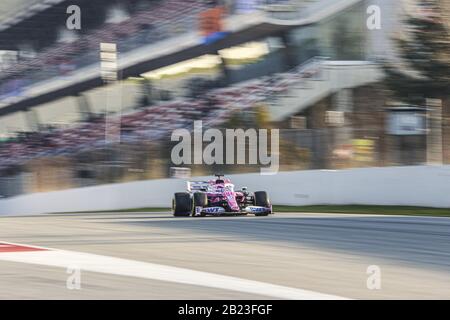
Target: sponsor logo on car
<point>256,209</point>
<point>213,210</point>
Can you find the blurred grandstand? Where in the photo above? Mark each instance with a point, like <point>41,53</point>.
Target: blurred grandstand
<point>308,67</point>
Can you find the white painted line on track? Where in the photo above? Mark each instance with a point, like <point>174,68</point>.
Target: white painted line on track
<point>145,270</point>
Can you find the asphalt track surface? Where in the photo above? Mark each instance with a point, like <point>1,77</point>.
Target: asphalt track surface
<point>318,253</point>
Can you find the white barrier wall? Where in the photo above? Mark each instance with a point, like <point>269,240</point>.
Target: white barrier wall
<point>413,186</point>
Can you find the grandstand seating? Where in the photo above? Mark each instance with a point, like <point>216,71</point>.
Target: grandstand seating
<point>153,122</point>
<point>165,19</point>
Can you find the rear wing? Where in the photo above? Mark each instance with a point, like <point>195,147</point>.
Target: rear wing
<point>197,186</point>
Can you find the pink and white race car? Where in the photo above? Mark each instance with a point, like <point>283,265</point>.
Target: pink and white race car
<point>218,197</point>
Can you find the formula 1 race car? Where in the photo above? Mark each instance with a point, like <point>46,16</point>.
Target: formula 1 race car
<point>217,197</point>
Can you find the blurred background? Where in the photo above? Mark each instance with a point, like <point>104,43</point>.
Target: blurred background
<point>90,91</point>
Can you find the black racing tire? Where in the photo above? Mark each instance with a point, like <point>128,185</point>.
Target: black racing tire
<point>182,204</point>
<point>262,200</point>
<point>199,199</point>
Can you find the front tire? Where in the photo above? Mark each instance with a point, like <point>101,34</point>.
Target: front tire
<point>262,200</point>
<point>182,204</point>
<point>200,199</point>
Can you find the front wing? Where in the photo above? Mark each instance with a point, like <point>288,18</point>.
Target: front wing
<point>216,211</point>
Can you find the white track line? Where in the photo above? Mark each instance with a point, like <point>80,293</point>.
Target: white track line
<point>145,270</point>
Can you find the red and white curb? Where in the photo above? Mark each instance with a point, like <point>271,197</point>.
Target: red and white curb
<point>123,267</point>
<point>9,247</point>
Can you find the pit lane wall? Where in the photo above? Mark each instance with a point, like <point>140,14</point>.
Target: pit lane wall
<point>412,186</point>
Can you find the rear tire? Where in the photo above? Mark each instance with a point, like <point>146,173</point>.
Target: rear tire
<point>262,200</point>
<point>200,199</point>
<point>182,204</point>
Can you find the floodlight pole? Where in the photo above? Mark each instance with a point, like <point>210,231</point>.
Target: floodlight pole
<point>109,74</point>
<point>434,132</point>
